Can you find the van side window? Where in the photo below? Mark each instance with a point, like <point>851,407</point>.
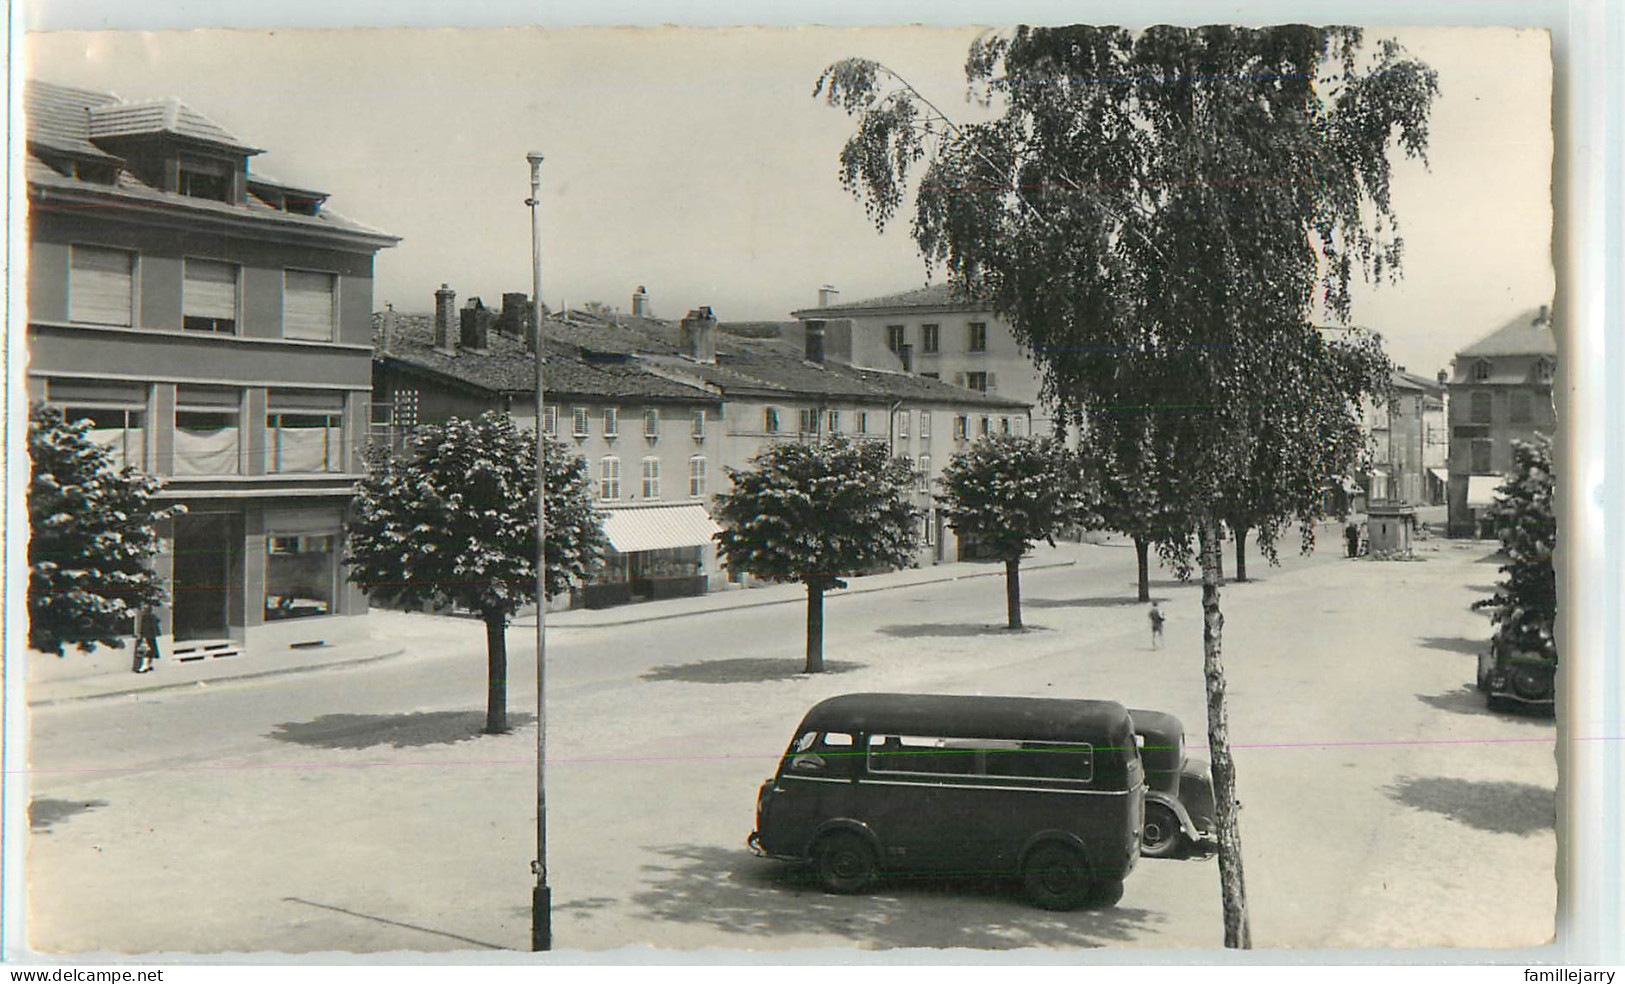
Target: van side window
<point>829,754</point>
<point>1043,760</point>
<point>917,755</point>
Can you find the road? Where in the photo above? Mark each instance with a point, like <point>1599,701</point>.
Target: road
<point>360,809</point>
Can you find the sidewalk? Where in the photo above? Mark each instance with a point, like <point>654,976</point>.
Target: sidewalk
<point>106,672</point>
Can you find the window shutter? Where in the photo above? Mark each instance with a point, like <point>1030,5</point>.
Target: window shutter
<point>211,290</point>
<point>992,381</point>
<point>101,286</point>
<point>307,305</point>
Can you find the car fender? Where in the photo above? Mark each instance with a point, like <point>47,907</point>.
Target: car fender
<point>1178,808</point>
<point>844,824</point>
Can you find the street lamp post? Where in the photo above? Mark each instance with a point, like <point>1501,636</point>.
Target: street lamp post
<point>541,896</point>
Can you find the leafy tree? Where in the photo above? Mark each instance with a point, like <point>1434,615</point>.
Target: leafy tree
<point>1119,468</point>
<point>1156,215</point>
<point>453,522</point>
<point>817,513</point>
<point>1524,609</point>
<point>1009,493</point>
<point>92,531</point>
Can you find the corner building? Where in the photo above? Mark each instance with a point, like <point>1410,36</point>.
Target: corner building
<point>214,325</point>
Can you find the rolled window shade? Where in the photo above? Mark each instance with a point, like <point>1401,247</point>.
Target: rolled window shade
<point>101,286</point>
<point>211,290</point>
<point>307,305</point>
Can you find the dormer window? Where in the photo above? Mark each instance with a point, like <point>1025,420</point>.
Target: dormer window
<point>203,179</point>
<point>1481,371</point>
<point>1543,371</point>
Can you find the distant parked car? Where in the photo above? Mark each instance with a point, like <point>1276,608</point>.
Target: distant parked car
<point>1510,677</point>
<point>1179,790</point>
<point>1048,790</point>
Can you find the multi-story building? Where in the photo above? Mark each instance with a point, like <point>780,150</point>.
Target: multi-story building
<point>1409,442</point>
<point>660,411</point>
<point>213,325</point>
<point>651,444</point>
<point>931,333</point>
<point>1500,392</point>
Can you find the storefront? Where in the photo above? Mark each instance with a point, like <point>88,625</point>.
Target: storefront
<point>656,551</point>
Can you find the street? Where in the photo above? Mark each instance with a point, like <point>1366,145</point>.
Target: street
<point>360,808</point>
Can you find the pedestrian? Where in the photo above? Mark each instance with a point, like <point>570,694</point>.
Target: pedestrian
<point>1351,533</point>
<point>146,640</point>
<point>1157,618</point>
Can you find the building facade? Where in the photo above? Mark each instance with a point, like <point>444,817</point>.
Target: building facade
<point>1410,442</point>
<point>931,333</point>
<point>213,325</point>
<point>1500,392</point>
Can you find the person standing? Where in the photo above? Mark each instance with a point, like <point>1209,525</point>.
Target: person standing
<point>1351,533</point>
<point>1157,618</point>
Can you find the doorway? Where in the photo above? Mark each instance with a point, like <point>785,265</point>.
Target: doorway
<point>201,584</point>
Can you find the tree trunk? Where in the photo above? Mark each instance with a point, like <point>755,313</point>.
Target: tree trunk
<point>1232,887</point>
<point>815,629</point>
<point>496,686</point>
<point>1241,552</point>
<point>1012,590</point>
<point>1142,556</point>
<point>1218,553</point>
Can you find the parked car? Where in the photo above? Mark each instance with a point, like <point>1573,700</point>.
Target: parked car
<point>1049,790</point>
<point>1179,789</point>
<point>1512,677</point>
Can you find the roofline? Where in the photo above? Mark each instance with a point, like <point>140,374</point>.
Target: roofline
<point>182,213</point>
<point>840,311</point>
<point>395,359</point>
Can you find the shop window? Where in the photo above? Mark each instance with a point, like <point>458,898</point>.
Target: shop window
<point>609,478</point>
<point>300,571</point>
<point>101,286</point>
<point>309,305</point>
<point>209,297</point>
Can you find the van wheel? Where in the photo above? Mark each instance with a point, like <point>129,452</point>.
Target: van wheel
<point>846,863</point>
<point>1056,877</point>
<point>1161,835</point>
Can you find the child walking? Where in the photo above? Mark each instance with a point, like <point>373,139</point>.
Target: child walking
<point>1157,618</point>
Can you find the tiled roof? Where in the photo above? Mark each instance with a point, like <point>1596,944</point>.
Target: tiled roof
<point>507,367</point>
<point>60,120</point>
<point>1530,333</point>
<point>1410,380</point>
<point>171,116</point>
<point>931,297</point>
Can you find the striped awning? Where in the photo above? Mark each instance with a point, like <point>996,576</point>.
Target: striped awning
<point>1481,489</point>
<point>631,529</point>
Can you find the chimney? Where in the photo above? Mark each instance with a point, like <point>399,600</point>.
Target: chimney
<point>699,334</point>
<point>445,320</point>
<point>827,295</point>
<point>1544,317</point>
<point>815,341</point>
<point>1444,377</point>
<point>475,329</point>
<point>640,303</point>
<point>389,326</point>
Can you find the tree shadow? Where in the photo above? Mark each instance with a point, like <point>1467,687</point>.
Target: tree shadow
<point>42,813</point>
<point>1484,588</point>
<point>1496,806</point>
<point>1120,602</point>
<point>736,892</point>
<point>746,669</point>
<point>1455,644</point>
<point>1496,558</point>
<point>1194,582</point>
<point>407,730</point>
<point>954,630</point>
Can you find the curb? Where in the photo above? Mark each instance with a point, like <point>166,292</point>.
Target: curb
<point>193,684</point>
<point>799,600</point>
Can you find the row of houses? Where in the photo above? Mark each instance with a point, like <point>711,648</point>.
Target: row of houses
<point>218,328</point>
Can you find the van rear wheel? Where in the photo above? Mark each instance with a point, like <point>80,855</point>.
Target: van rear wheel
<point>1161,834</point>
<point>1056,876</point>
<point>846,863</point>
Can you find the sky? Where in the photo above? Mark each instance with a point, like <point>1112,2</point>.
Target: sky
<point>697,163</point>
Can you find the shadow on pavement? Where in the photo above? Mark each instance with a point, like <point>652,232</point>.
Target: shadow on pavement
<point>1483,588</point>
<point>1123,602</point>
<point>1467,699</point>
<point>412,730</point>
<point>1194,582</point>
<point>736,892</point>
<point>1496,806</point>
<point>746,669</point>
<point>952,630</point>
<point>1455,644</point>
<point>42,813</point>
